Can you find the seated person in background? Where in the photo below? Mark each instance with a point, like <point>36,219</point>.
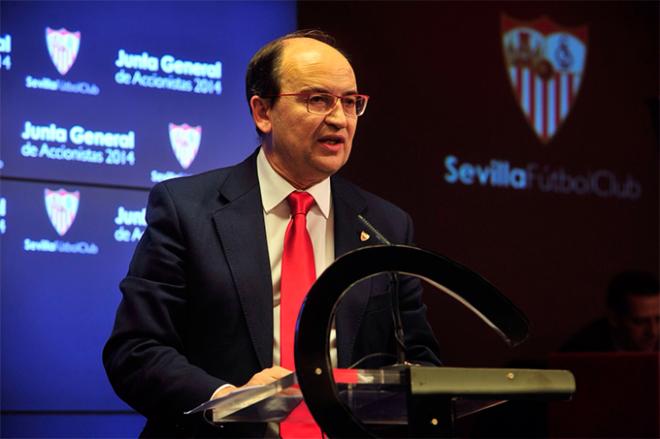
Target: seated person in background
<point>633,320</point>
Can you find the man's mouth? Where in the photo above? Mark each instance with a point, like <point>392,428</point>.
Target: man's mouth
<point>332,140</point>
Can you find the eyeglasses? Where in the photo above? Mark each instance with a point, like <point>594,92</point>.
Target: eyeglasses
<point>324,103</point>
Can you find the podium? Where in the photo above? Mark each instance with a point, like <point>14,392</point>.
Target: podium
<point>402,400</point>
<point>414,401</point>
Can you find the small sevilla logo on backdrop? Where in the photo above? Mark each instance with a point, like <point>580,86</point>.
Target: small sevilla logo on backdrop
<point>63,48</point>
<point>546,64</point>
<point>62,207</point>
<point>185,143</point>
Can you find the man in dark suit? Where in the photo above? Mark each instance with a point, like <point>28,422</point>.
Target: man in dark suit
<point>200,309</point>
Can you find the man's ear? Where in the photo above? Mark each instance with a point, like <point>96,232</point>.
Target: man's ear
<point>261,113</point>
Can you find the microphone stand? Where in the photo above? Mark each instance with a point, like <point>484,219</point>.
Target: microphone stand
<point>396,312</point>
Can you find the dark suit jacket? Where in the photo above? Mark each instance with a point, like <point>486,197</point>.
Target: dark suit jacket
<point>595,337</point>
<point>197,306</point>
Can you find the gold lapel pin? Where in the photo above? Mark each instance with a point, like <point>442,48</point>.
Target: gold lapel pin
<point>364,236</point>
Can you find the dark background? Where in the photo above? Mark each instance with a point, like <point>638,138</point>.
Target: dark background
<point>439,85</point>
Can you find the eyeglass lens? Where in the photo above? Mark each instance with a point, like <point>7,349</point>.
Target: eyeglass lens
<point>323,103</point>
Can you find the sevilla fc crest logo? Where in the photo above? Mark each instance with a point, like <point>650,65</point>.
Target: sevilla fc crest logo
<point>63,48</point>
<point>545,63</point>
<point>62,207</point>
<point>185,142</point>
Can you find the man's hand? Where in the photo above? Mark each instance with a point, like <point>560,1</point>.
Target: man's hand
<point>266,376</point>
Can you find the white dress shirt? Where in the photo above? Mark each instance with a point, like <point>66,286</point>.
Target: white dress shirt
<point>277,214</point>
<point>320,225</point>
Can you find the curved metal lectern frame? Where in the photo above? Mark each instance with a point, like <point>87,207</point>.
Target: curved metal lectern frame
<point>312,359</point>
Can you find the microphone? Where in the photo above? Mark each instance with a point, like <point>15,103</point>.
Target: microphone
<point>396,312</point>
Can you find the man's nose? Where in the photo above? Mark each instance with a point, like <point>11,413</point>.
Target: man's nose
<point>337,117</point>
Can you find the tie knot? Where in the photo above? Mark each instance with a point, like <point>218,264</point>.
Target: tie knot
<point>300,202</point>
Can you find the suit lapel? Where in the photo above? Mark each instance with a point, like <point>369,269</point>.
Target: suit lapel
<point>240,224</point>
<point>347,204</point>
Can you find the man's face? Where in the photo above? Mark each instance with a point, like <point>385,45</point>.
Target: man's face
<point>306,148</point>
<point>640,325</point>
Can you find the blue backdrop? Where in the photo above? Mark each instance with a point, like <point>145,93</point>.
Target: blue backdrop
<point>101,100</point>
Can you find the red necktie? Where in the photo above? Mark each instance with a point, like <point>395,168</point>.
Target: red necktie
<point>298,275</point>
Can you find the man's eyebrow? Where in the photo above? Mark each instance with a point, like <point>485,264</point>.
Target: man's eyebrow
<point>325,90</point>
<point>314,90</point>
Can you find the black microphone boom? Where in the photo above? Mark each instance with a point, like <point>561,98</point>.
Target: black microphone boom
<point>399,335</point>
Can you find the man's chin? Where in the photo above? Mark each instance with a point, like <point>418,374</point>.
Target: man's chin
<point>329,165</point>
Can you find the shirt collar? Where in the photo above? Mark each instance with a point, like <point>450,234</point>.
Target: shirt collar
<point>274,188</point>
